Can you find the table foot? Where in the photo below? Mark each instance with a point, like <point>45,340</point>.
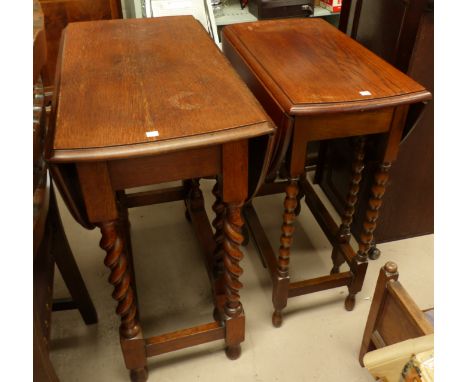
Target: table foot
<point>139,375</point>
<point>233,352</point>
<point>277,318</point>
<point>350,302</point>
<point>374,253</point>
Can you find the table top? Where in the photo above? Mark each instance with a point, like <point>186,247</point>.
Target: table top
<point>136,87</point>
<point>309,67</point>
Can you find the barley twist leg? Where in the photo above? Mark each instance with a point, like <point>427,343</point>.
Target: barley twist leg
<point>232,240</point>
<point>218,224</point>
<point>120,277</point>
<point>218,254</point>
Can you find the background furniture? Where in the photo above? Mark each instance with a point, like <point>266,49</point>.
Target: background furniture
<point>401,32</point>
<point>198,123</point>
<point>59,13</point>
<point>49,240</point>
<point>353,93</point>
<point>394,317</point>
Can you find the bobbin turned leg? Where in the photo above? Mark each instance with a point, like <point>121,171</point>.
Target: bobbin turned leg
<point>130,331</point>
<point>280,289</point>
<point>232,239</point>
<point>370,222</point>
<point>344,233</point>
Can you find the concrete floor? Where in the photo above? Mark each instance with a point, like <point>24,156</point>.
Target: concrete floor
<point>319,339</point>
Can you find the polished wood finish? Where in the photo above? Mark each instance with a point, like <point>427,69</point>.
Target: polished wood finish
<point>205,118</point>
<point>59,13</point>
<point>182,87</point>
<point>393,316</point>
<point>184,338</point>
<point>353,93</point>
<point>302,59</point>
<point>403,34</point>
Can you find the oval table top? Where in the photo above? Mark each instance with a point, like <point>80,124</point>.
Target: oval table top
<point>139,87</point>
<point>311,67</point>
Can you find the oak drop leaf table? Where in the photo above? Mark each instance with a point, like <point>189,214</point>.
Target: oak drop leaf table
<point>316,83</point>
<point>146,101</point>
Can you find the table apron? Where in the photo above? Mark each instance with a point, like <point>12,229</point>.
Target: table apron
<point>186,164</point>
<point>341,125</point>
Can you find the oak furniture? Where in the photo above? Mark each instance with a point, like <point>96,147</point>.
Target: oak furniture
<point>147,101</point>
<point>314,92</point>
<point>50,245</point>
<point>394,316</point>
<point>402,33</point>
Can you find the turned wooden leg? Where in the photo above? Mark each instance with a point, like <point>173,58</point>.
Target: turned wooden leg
<point>232,239</point>
<point>344,233</point>
<point>369,225</point>
<point>130,330</point>
<point>218,256</point>
<point>280,289</point>
<point>218,224</point>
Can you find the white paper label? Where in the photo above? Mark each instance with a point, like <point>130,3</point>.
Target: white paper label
<point>365,93</point>
<point>151,134</point>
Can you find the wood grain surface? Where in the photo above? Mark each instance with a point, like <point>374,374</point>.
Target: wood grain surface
<point>309,67</point>
<point>123,78</point>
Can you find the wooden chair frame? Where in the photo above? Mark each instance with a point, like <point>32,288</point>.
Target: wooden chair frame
<point>393,316</point>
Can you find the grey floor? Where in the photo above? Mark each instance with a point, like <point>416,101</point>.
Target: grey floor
<point>319,340</point>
